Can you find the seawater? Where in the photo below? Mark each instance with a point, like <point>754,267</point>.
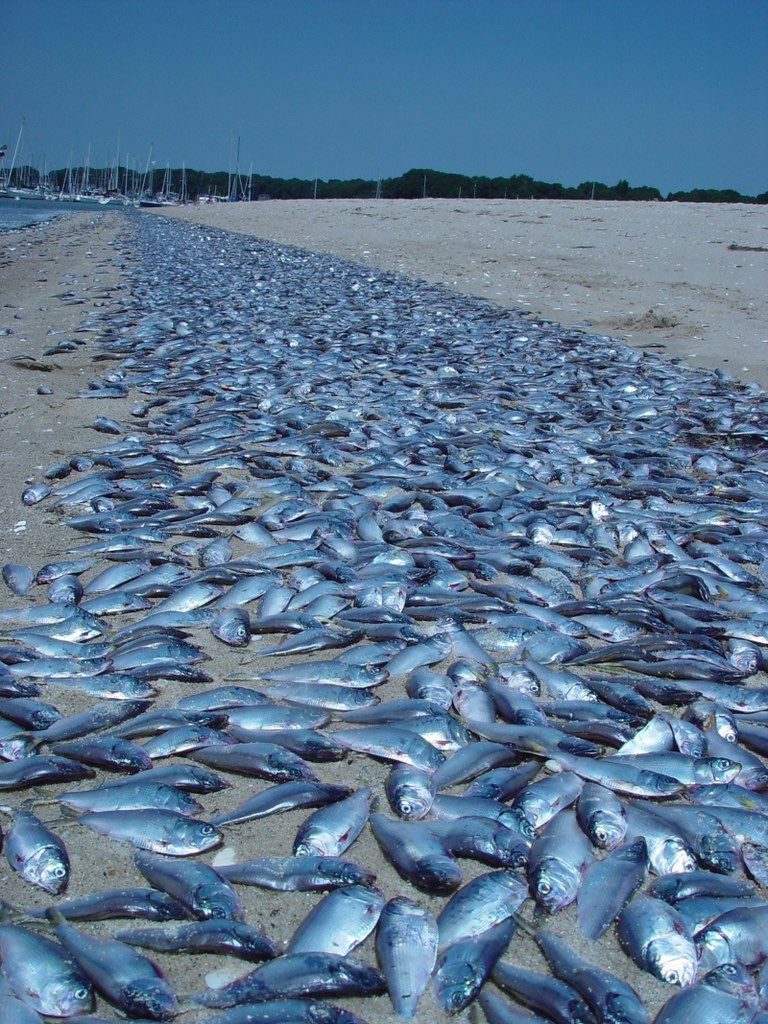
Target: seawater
<point>20,213</point>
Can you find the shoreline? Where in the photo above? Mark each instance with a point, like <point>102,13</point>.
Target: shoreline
<point>657,276</point>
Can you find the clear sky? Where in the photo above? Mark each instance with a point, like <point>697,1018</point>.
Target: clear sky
<point>671,93</point>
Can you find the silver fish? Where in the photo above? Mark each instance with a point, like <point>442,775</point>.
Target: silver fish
<point>42,974</point>
<point>705,1005</point>
<point>232,938</point>
<point>299,974</point>
<point>128,980</point>
<point>410,791</point>
<point>657,939</point>
<point>331,830</point>
<point>339,922</point>
<point>161,831</point>
<point>557,1000</point>
<point>417,854</point>
<point>406,945</point>
<point>463,967</point>
<point>264,760</point>
<point>601,816</point>
<point>611,999</point>
<point>608,884</point>
<point>297,873</point>
<point>285,796</point>
<point>193,884</point>
<point>479,905</point>
<point>557,861</point>
<point>35,852</point>
<point>393,744</point>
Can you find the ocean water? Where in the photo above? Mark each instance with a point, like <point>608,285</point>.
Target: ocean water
<point>19,213</point>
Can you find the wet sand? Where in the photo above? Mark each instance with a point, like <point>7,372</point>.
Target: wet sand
<point>46,271</point>
<point>660,276</point>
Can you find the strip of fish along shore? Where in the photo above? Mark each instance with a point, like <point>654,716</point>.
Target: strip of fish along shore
<point>349,543</point>
<point>686,280</point>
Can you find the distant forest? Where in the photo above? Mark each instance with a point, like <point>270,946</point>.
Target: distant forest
<point>414,184</point>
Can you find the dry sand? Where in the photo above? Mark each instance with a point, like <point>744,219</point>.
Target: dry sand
<point>44,271</point>
<point>658,275</point>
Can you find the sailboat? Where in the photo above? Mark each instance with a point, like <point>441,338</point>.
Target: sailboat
<point>165,197</point>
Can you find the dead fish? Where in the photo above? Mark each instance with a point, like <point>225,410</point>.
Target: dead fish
<point>339,922</point>
<point>657,939</point>
<point>609,997</point>
<point>609,884</point>
<point>481,904</point>
<point>194,885</point>
<point>43,974</point>
<point>463,967</point>
<point>126,978</point>
<point>161,831</point>
<point>285,796</point>
<point>297,873</point>
<point>225,937</point>
<point>417,855</point>
<point>331,830</point>
<point>406,945</point>
<point>35,852</point>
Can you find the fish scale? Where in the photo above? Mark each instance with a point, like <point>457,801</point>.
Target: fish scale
<point>527,485</point>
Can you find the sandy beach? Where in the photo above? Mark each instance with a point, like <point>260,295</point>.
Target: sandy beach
<point>681,279</point>
<point>574,263</point>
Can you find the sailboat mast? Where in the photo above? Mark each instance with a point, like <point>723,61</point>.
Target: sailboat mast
<point>15,151</point>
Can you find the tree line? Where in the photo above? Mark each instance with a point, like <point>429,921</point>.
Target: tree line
<point>413,184</point>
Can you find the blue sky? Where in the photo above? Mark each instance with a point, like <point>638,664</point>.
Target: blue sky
<point>672,93</point>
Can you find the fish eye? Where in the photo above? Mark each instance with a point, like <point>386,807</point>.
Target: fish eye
<point>672,977</point>
<point>722,764</point>
<point>207,830</point>
<point>728,969</point>
<point>405,806</point>
<point>543,887</point>
<point>58,871</point>
<point>82,993</point>
<point>601,834</point>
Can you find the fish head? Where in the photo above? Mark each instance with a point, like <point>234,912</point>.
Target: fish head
<point>735,979</point>
<point>518,820</point>
<point>149,997</point>
<point>606,830</point>
<point>288,770</point>
<point>48,868</point>
<point>456,983</point>
<point>714,948</point>
<point>233,627</point>
<point>211,902</point>
<point>439,874</point>
<point>190,836</point>
<point>715,770</point>
<point>510,847</point>
<point>344,872</point>
<point>62,998</point>
<point>672,855</point>
<point>672,958</point>
<point>554,884</point>
<point>623,1008</point>
<point>411,802</point>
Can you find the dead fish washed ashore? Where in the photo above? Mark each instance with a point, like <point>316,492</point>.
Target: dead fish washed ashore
<point>469,609</point>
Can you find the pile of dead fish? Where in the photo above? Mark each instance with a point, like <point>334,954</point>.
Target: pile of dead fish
<point>490,591</point>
